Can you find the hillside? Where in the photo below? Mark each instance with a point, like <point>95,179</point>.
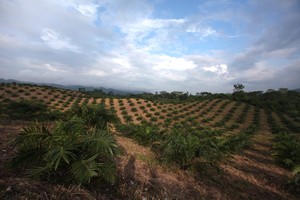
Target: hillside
<point>247,171</point>
<point>74,87</point>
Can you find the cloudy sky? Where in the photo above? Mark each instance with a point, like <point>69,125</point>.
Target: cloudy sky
<point>182,45</point>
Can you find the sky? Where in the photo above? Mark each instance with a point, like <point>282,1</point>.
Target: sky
<point>158,45</point>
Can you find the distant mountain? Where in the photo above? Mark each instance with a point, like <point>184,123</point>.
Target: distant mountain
<point>297,90</point>
<point>76,87</point>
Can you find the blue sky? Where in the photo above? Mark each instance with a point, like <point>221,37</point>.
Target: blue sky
<point>153,45</point>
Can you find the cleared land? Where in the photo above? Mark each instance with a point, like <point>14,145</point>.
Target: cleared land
<point>251,173</point>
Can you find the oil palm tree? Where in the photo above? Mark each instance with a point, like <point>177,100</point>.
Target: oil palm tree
<point>68,152</point>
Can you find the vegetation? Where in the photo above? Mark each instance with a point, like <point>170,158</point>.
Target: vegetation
<point>75,150</point>
<point>28,110</point>
<point>70,141</point>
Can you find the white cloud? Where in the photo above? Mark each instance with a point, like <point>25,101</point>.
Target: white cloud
<point>260,72</point>
<point>172,76</point>
<point>96,72</point>
<point>89,10</point>
<point>173,63</point>
<point>53,68</point>
<point>218,69</point>
<point>56,41</point>
<point>202,31</point>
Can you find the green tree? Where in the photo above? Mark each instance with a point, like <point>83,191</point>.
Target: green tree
<point>238,88</point>
<point>238,92</point>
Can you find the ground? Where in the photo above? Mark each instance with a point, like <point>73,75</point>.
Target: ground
<point>250,174</point>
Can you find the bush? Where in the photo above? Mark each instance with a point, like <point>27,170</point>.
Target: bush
<point>180,148</point>
<point>95,116</point>
<point>68,153</point>
<point>188,147</point>
<point>286,150</point>
<point>133,109</point>
<point>145,135</point>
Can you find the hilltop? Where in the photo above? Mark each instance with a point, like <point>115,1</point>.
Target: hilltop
<point>234,162</point>
<point>76,87</point>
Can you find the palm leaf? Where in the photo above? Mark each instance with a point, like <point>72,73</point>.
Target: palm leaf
<point>37,172</point>
<point>107,171</point>
<point>84,170</point>
<point>73,127</point>
<point>27,156</point>
<point>101,142</point>
<point>33,135</point>
<point>58,153</point>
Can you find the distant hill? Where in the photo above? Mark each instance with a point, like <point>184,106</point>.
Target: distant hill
<point>76,87</point>
<point>297,90</point>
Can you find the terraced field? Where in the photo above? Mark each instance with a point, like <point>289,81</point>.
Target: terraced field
<point>218,113</point>
<point>249,173</point>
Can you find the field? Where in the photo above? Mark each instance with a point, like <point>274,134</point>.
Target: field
<point>242,166</point>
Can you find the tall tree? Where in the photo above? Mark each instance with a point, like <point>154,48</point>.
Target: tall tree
<point>238,88</point>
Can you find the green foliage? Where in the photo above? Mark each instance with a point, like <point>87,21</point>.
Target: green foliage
<point>180,148</point>
<point>96,116</point>
<point>76,149</point>
<point>238,87</point>
<point>296,176</point>
<point>133,109</point>
<point>70,152</point>
<point>286,150</point>
<point>190,147</point>
<point>145,135</point>
<point>29,110</point>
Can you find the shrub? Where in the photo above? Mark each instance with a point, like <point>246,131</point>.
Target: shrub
<point>153,119</point>
<point>180,148</point>
<point>139,118</point>
<point>133,110</point>
<point>124,112</point>
<point>286,150</point>
<point>145,135</point>
<point>122,108</point>
<point>127,118</point>
<point>95,116</point>
<point>156,113</point>
<point>68,153</point>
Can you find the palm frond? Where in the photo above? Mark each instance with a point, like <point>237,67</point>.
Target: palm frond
<point>58,153</point>
<point>101,142</point>
<point>27,156</point>
<point>107,171</point>
<point>74,125</point>
<point>33,134</point>
<point>38,171</point>
<point>84,170</point>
